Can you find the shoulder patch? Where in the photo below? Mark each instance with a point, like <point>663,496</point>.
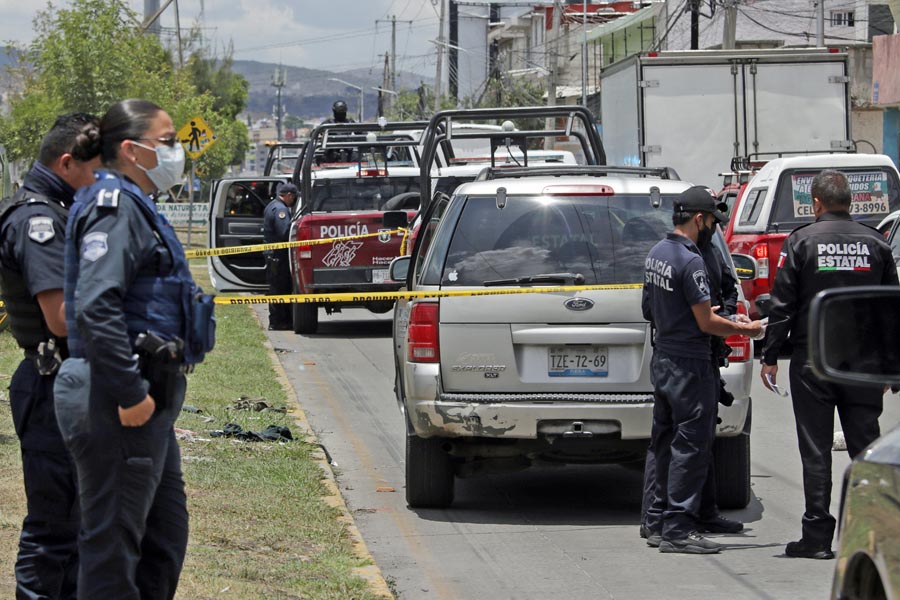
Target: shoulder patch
<point>281,214</point>
<point>40,229</point>
<point>108,198</point>
<point>700,282</point>
<point>94,246</point>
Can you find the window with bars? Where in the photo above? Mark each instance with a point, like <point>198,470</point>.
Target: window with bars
<point>843,18</point>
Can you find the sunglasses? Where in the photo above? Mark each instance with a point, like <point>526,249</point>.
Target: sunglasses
<point>167,141</point>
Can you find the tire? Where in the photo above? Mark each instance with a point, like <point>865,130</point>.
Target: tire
<point>305,317</point>
<point>732,464</point>
<point>429,473</point>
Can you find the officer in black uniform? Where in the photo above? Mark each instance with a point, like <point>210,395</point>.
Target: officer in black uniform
<point>339,113</point>
<point>277,228</point>
<point>832,252</point>
<point>32,235</point>
<point>137,322</point>
<point>676,300</point>
<point>724,295</point>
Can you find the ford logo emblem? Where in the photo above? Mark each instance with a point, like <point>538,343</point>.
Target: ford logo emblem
<point>579,304</point>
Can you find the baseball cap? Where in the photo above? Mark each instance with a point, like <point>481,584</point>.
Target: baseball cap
<point>285,188</point>
<point>700,198</point>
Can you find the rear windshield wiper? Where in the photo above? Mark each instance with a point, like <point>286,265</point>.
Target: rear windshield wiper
<point>560,278</point>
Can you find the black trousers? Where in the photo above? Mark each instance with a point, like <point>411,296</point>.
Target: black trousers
<point>278,277</point>
<point>133,506</point>
<point>709,508</point>
<point>47,562</point>
<point>814,404</point>
<point>684,416</point>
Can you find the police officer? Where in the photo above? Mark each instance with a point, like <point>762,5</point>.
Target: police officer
<point>276,228</point>
<point>676,300</point>
<point>135,324</point>
<point>32,235</point>
<point>339,113</point>
<point>724,295</point>
<point>834,251</point>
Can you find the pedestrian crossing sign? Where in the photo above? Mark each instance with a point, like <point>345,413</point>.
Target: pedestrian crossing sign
<point>196,137</point>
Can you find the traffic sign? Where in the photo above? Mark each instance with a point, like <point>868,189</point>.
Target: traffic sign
<point>196,137</point>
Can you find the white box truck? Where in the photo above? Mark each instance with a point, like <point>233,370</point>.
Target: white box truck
<point>694,111</point>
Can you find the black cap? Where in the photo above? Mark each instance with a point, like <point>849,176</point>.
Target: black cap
<point>700,198</point>
<point>285,188</point>
<point>339,106</point>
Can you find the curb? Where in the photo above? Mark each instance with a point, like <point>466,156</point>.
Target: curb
<point>370,573</point>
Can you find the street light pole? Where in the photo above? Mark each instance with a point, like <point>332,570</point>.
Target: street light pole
<point>355,87</point>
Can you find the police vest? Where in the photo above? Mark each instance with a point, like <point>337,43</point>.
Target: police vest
<point>170,305</point>
<point>26,321</point>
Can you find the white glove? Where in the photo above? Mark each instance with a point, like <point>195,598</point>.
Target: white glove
<point>762,330</point>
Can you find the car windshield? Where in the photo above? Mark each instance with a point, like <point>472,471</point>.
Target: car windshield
<point>605,239</point>
<point>876,192</point>
<point>362,194</point>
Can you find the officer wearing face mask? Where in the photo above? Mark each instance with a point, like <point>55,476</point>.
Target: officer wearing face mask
<point>724,295</point>
<point>137,323</point>
<point>676,300</point>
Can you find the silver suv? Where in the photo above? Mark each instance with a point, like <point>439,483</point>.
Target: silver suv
<point>505,381</point>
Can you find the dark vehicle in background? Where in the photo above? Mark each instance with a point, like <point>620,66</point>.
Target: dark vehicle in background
<point>868,555</point>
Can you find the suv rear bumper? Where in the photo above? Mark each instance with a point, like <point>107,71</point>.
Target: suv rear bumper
<point>629,416</point>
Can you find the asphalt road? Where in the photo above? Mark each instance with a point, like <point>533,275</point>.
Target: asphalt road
<point>561,532</point>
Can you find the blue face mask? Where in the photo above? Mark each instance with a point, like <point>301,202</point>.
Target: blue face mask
<point>169,165</point>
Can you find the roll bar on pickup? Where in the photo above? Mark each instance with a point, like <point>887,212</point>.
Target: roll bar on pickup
<point>354,136</point>
<point>579,123</point>
<point>490,173</point>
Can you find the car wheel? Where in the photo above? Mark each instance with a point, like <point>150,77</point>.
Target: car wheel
<point>429,473</point>
<point>305,317</point>
<point>732,464</point>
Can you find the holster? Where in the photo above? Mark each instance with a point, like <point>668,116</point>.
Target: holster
<point>160,362</point>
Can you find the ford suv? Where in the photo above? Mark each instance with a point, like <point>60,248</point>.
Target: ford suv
<point>510,380</point>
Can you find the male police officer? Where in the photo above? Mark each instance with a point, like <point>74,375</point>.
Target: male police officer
<point>834,251</point>
<point>339,113</point>
<point>676,300</point>
<point>276,228</point>
<point>724,295</point>
<point>32,235</point>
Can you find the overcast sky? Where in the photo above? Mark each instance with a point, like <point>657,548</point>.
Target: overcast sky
<point>321,34</point>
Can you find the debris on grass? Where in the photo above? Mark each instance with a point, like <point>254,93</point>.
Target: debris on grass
<point>272,433</point>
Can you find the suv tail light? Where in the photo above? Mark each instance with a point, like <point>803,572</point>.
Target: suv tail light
<point>304,233</point>
<point>741,348</point>
<point>422,333</point>
<point>578,190</point>
<point>760,252</point>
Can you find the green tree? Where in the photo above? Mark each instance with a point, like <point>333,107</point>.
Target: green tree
<point>93,54</point>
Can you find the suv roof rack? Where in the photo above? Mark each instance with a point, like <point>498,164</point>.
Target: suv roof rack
<point>489,173</point>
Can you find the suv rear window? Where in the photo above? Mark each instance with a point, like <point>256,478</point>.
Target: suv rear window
<point>605,238</point>
<point>359,193</point>
<point>876,192</point>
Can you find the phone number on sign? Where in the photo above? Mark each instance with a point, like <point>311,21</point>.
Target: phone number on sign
<point>869,208</point>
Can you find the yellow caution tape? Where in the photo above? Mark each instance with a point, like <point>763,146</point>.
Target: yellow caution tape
<point>229,250</point>
<point>377,296</point>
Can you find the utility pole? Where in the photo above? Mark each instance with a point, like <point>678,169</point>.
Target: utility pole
<point>453,51</point>
<point>695,24</point>
<point>554,68</point>
<point>384,99</point>
<point>278,80</point>
<point>440,60</point>
<point>178,37</point>
<point>584,65</point>
<point>394,52</point>
<point>729,33</point>
<point>151,8</point>
<point>820,23</point>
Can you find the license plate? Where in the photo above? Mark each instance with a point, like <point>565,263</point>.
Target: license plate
<point>578,361</point>
<point>379,275</point>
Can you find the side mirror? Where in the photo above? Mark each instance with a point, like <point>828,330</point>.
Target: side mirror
<point>745,266</point>
<point>854,335</point>
<point>394,219</point>
<point>399,268</point>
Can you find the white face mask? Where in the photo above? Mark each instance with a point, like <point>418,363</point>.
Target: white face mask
<point>169,165</point>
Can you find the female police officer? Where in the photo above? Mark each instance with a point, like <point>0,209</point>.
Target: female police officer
<point>130,310</point>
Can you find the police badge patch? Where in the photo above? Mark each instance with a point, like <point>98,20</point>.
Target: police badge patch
<point>94,246</point>
<point>281,214</point>
<point>700,281</point>
<point>40,229</point>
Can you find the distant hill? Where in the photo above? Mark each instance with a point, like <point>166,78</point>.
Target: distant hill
<point>308,93</point>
